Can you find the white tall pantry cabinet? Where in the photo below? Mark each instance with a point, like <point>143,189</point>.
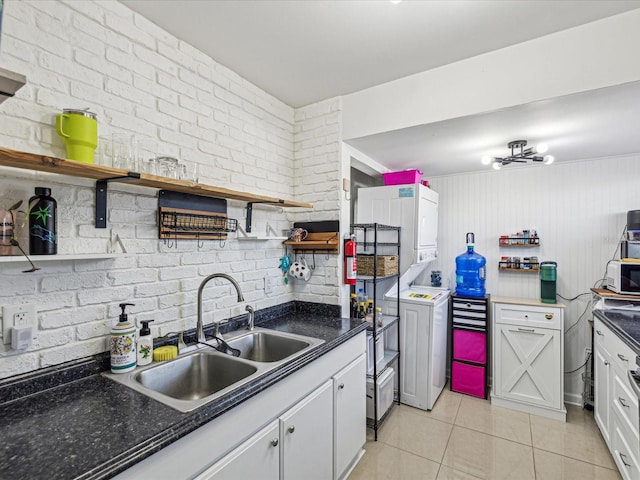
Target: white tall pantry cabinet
<point>528,356</point>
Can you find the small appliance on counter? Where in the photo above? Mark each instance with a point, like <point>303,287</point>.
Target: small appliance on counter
<point>630,246</point>
<point>623,277</point>
<point>548,276</point>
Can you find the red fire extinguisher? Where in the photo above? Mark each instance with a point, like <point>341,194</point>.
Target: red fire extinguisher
<point>350,262</point>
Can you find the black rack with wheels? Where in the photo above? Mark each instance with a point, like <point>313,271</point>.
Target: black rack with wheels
<point>379,244</point>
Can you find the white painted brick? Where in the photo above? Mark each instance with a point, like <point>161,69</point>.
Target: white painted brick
<point>131,216</point>
<point>90,27</point>
<point>209,72</point>
<point>227,96</point>
<point>52,338</point>
<point>177,138</point>
<point>176,273</point>
<point>89,9</point>
<point>95,95</point>
<point>75,281</point>
<point>82,349</point>
<point>155,118</point>
<point>65,318</point>
<point>194,53</point>
<point>137,35</point>
<point>175,111</point>
<point>98,65</point>
<point>153,88</point>
<point>87,331</point>
<point>15,364</point>
<point>156,60</point>
<point>104,296</point>
<point>127,61</point>
<point>158,289</point>
<point>168,301</point>
<point>177,85</point>
<point>199,258</point>
<point>127,91</point>
<point>130,277</point>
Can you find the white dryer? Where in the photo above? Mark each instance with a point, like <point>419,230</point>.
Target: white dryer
<point>424,313</point>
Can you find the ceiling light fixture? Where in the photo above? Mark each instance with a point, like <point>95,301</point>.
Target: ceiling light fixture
<point>519,154</point>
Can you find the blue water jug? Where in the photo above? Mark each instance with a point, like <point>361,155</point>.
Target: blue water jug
<point>470,271</point>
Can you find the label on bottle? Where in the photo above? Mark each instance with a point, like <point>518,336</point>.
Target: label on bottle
<point>123,351</point>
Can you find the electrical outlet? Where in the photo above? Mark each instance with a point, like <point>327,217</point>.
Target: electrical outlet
<point>17,316</point>
<point>267,285</point>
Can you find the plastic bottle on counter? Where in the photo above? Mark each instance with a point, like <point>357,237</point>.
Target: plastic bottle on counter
<point>354,306</point>
<point>123,344</point>
<point>145,344</point>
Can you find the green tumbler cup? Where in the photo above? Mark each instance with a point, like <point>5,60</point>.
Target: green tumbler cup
<point>79,132</point>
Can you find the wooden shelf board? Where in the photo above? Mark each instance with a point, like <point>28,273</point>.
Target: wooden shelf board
<point>528,270</point>
<point>43,163</point>
<point>59,258</point>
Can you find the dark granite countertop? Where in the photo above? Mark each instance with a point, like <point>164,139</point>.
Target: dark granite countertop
<point>94,428</point>
<point>625,324</point>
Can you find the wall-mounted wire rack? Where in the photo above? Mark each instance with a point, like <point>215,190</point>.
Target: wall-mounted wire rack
<point>186,216</point>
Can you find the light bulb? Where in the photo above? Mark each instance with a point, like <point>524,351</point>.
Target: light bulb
<point>548,159</point>
<point>486,160</point>
<point>497,165</point>
<point>541,148</point>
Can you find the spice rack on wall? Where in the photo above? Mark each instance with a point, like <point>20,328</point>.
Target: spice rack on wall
<point>323,236</point>
<point>515,264</point>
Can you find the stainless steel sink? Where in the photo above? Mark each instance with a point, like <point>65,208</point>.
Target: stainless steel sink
<point>266,346</point>
<point>201,376</point>
<point>195,376</point>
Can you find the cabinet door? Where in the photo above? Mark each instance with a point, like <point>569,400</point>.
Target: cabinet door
<point>257,457</point>
<point>415,347</point>
<point>349,414</point>
<point>306,433</point>
<point>602,386</point>
<point>528,365</point>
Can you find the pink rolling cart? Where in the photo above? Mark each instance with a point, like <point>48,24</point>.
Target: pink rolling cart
<point>470,345</point>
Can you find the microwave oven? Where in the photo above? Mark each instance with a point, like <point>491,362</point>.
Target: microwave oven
<point>624,277</point>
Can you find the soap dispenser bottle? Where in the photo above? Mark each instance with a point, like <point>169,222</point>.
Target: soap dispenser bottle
<point>123,344</point>
<point>145,344</point>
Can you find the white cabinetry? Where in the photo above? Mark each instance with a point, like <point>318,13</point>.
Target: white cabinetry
<point>293,428</point>
<point>258,457</point>
<point>297,445</point>
<point>306,432</point>
<point>349,416</point>
<point>528,357</point>
<point>616,407</point>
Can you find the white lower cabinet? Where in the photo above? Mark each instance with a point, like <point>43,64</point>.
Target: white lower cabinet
<point>349,416</point>
<point>258,457</point>
<point>528,357</point>
<point>311,425</point>
<point>306,432</point>
<point>616,408</point>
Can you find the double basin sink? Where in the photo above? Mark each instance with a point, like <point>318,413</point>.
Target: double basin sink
<point>197,378</point>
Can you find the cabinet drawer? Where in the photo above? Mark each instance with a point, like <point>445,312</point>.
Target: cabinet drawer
<point>600,334</point>
<point>544,317</point>
<point>625,450</point>
<point>626,403</point>
<point>622,356</point>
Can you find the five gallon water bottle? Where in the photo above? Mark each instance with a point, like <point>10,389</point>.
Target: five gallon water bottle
<point>470,271</point>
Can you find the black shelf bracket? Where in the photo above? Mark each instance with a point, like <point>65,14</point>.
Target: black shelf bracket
<point>101,196</point>
<point>250,213</point>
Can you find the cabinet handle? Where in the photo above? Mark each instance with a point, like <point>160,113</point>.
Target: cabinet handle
<point>526,316</point>
<point>341,386</point>
<point>623,358</point>
<point>274,442</point>
<point>291,429</point>
<point>621,400</point>
<point>531,330</point>
<point>622,457</point>
<point>606,364</point>
<point>600,333</point>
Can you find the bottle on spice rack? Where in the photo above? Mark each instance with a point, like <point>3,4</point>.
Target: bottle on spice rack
<point>42,212</point>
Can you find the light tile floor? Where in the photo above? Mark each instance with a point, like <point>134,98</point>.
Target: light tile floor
<point>468,438</point>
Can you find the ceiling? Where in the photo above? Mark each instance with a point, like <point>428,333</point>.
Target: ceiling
<point>302,52</point>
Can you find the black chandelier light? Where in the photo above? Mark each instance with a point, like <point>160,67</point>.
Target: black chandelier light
<point>520,154</point>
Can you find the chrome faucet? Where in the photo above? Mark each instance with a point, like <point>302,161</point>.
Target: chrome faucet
<point>249,310</point>
<point>199,326</point>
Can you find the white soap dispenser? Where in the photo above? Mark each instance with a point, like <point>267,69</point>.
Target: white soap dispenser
<point>145,344</point>
<point>123,344</point>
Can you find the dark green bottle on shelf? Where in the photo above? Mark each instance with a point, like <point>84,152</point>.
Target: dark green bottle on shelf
<point>43,239</point>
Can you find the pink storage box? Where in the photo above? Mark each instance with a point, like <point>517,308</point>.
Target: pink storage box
<point>470,346</point>
<point>402,178</point>
<point>469,379</point>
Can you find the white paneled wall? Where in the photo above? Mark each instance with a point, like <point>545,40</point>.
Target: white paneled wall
<point>143,80</point>
<point>579,211</point>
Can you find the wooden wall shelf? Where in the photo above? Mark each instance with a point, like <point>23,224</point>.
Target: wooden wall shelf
<point>324,241</point>
<point>43,163</point>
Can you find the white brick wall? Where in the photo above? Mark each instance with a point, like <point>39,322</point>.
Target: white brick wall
<point>140,79</point>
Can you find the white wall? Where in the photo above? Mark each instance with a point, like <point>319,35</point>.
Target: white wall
<point>583,58</point>
<point>140,79</point>
<point>579,210</point>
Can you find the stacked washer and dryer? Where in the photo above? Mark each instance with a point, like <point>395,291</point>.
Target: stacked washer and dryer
<point>424,310</point>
